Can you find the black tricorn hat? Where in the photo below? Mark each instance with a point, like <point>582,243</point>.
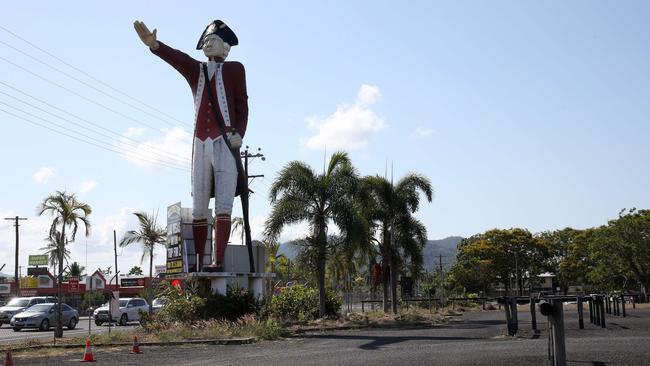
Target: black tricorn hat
<point>222,30</point>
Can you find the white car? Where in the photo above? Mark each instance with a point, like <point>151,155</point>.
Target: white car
<point>129,311</point>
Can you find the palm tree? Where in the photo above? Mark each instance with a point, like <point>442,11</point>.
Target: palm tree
<point>402,236</point>
<point>75,270</point>
<point>68,212</point>
<point>238,225</point>
<point>299,194</point>
<point>149,235</point>
<point>52,251</point>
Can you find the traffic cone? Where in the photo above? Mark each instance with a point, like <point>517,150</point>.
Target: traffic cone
<point>136,345</point>
<point>9,360</point>
<point>88,353</point>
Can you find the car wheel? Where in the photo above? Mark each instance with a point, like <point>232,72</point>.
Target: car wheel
<point>17,329</point>
<point>98,323</point>
<point>73,323</point>
<point>124,319</point>
<point>45,325</point>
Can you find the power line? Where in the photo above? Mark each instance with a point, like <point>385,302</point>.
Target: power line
<point>77,94</point>
<point>90,76</point>
<point>87,142</point>
<point>83,134</point>
<point>130,141</point>
<point>89,85</point>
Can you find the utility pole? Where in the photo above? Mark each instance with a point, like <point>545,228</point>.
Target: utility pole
<point>115,251</point>
<point>16,278</point>
<point>246,155</point>
<point>442,276</point>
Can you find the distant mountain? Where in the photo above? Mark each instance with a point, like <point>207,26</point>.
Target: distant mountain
<point>445,247</point>
<point>289,250</point>
<point>432,251</point>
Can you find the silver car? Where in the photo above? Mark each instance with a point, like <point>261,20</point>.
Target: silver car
<point>42,316</point>
<point>20,304</point>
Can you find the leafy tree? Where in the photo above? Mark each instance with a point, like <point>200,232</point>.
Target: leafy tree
<point>135,270</point>
<point>149,235</point>
<point>300,195</point>
<point>621,251</point>
<point>390,209</point>
<point>569,257</point>
<point>500,256</point>
<point>68,212</point>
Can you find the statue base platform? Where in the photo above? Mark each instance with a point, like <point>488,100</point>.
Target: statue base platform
<point>219,281</point>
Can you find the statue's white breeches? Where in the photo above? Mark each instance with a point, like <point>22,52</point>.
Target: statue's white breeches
<point>213,166</point>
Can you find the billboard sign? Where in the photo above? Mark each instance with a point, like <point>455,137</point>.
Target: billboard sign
<point>38,260</point>
<point>174,239</point>
<point>132,282</point>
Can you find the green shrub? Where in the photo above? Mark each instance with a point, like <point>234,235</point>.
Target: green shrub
<point>91,298</point>
<point>236,303</point>
<point>183,306</point>
<point>301,303</point>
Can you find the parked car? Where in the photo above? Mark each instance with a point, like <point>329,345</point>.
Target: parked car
<point>19,304</point>
<point>43,316</point>
<point>129,311</point>
<point>159,303</point>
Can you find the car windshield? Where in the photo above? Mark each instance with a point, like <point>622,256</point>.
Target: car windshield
<point>160,302</point>
<point>40,307</point>
<point>123,303</point>
<point>18,303</point>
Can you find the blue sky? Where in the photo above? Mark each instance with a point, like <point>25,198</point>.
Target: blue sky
<point>522,113</point>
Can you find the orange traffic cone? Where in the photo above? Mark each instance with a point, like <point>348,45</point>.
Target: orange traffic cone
<point>136,345</point>
<point>88,353</point>
<point>9,360</point>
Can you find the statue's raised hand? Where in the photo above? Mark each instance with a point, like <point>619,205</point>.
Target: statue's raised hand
<point>147,37</point>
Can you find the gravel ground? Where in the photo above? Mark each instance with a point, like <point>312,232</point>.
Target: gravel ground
<point>475,340</point>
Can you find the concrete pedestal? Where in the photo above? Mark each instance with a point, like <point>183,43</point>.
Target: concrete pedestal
<point>219,281</point>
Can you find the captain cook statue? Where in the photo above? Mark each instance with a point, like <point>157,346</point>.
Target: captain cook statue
<point>221,115</point>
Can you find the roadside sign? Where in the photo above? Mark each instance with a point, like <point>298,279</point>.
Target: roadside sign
<point>28,293</point>
<point>73,281</point>
<point>38,260</point>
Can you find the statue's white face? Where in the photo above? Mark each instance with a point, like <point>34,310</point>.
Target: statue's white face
<point>214,46</point>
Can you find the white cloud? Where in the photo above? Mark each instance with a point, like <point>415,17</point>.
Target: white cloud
<point>87,186</point>
<point>42,175</point>
<point>423,132</point>
<point>368,95</point>
<point>350,127</point>
<point>174,148</point>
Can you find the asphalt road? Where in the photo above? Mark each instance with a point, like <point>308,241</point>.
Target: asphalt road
<point>8,336</point>
<point>477,339</point>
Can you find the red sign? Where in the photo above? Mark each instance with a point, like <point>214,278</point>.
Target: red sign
<point>28,293</point>
<point>73,281</point>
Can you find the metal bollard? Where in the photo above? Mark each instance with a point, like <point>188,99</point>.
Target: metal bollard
<point>623,305</point>
<point>591,310</point>
<point>557,345</point>
<point>602,312</point>
<point>533,314</point>
<point>581,321</point>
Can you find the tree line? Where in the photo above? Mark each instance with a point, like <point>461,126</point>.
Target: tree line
<point>611,257</point>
